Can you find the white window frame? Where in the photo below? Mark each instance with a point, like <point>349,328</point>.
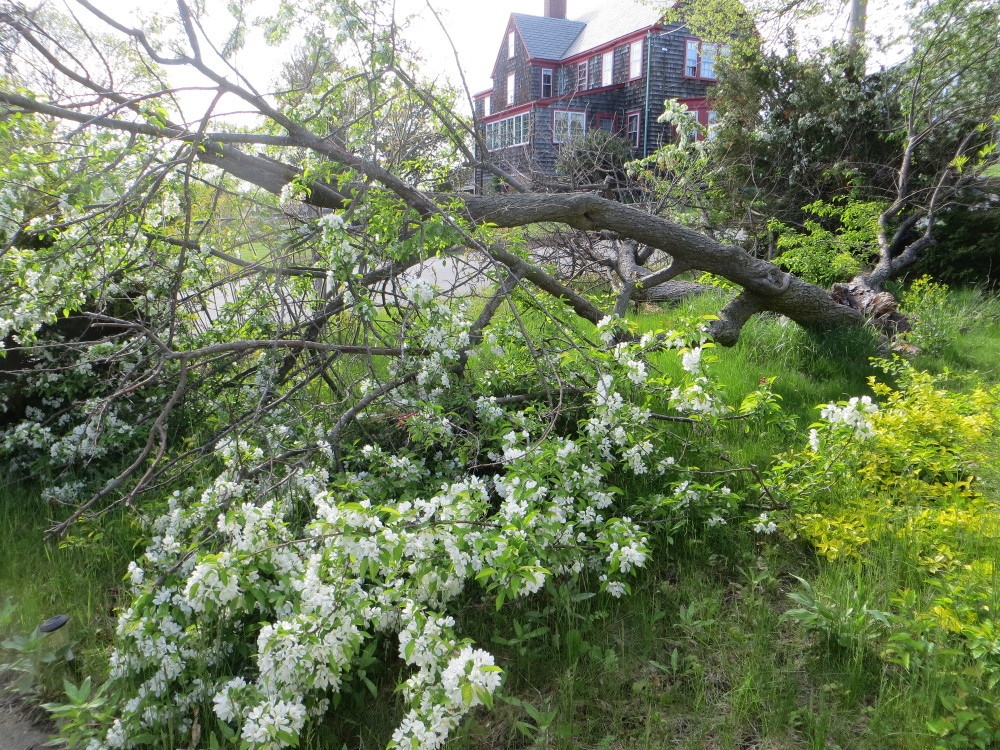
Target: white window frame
<point>632,136</point>
<point>551,83</point>
<point>510,45</point>
<point>635,51</point>
<point>581,76</point>
<point>511,87</point>
<point>692,56</point>
<point>575,125</point>
<point>486,106</point>
<point>508,132</point>
<point>607,68</point>
<point>709,56</point>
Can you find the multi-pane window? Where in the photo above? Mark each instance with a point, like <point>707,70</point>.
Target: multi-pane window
<point>607,68</point>
<point>632,129</point>
<point>700,58</point>
<point>511,131</point>
<point>566,125</point>
<point>511,87</point>
<point>581,76</point>
<point>635,60</point>
<point>701,111</point>
<point>546,83</point>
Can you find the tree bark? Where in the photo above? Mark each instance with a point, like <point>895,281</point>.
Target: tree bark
<point>765,285</point>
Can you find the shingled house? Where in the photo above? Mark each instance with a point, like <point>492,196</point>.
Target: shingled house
<point>610,68</point>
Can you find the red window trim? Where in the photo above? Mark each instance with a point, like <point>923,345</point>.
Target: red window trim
<point>700,107</point>
<point>684,68</point>
<point>598,118</point>
<point>552,82</point>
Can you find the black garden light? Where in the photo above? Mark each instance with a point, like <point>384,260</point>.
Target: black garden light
<point>53,623</point>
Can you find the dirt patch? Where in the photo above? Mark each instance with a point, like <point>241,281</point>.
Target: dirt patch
<point>19,727</point>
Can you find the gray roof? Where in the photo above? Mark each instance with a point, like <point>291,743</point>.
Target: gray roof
<point>612,20</point>
<point>557,38</point>
<point>547,38</point>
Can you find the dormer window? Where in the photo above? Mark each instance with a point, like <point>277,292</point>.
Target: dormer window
<point>510,45</point>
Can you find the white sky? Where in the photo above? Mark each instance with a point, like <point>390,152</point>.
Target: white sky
<point>475,26</point>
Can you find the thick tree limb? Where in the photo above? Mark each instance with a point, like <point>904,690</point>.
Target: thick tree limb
<point>766,287</point>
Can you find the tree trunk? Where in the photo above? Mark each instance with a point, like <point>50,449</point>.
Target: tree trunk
<point>765,285</point>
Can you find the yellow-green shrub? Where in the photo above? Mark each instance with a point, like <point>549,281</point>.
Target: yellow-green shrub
<point>901,480</point>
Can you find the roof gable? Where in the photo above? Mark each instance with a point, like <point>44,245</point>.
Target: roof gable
<point>547,38</point>
<point>558,38</point>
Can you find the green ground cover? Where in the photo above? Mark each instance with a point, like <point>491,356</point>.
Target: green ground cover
<point>878,629</point>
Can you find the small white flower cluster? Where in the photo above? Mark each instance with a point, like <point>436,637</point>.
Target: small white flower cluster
<point>608,327</point>
<point>691,360</point>
<point>853,413</point>
<point>340,252</point>
<point>635,368</point>
<point>697,398</point>
<point>762,525</point>
<point>421,293</point>
<point>488,410</point>
<point>614,420</point>
<point>444,335</point>
<point>291,193</point>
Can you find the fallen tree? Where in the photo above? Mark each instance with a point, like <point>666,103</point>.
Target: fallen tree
<point>347,404</point>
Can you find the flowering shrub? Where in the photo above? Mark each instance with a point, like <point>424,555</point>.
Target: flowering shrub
<point>261,592</point>
<point>868,468</point>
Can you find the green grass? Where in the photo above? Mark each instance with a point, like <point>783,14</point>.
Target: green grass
<point>701,655</point>
<point>80,577</point>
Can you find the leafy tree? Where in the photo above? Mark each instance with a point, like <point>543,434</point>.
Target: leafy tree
<point>915,137</point>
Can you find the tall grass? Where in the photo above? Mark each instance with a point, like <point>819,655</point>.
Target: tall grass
<point>80,577</point>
